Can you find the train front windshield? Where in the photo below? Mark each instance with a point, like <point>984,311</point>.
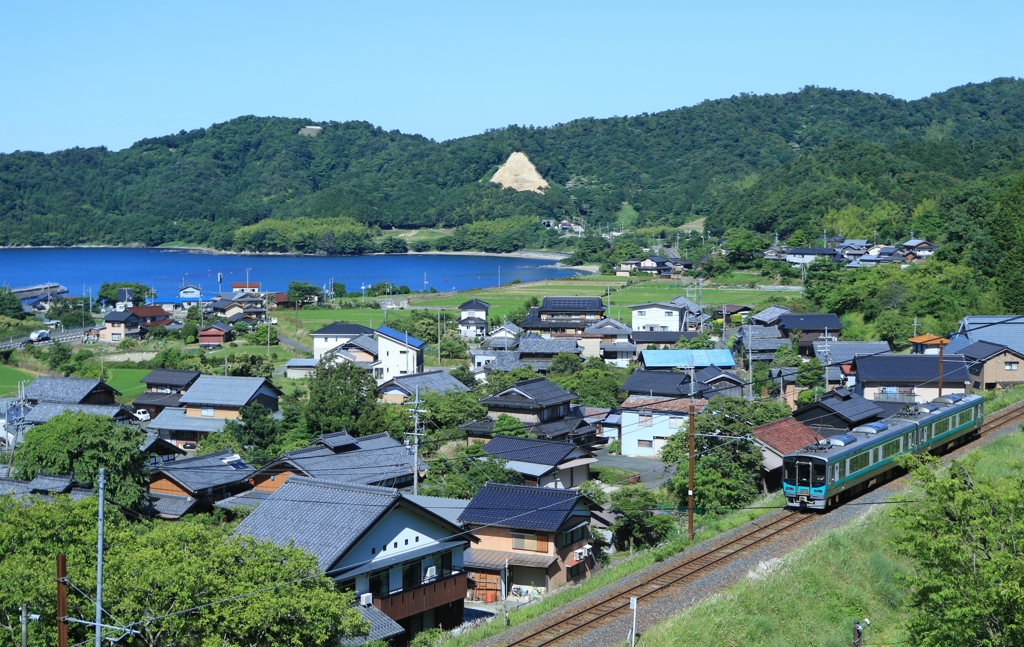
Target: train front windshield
<point>801,471</point>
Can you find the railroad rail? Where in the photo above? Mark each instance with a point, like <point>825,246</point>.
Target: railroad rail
<point>1005,416</point>
<point>615,604</point>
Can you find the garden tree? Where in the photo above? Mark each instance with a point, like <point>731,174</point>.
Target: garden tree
<point>786,357</point>
<point>596,387</point>
<point>593,491</point>
<point>820,278</point>
<point>174,358</point>
<point>58,356</point>
<point>498,381</point>
<point>301,292</point>
<point>724,477</point>
<point>464,375</point>
<point>506,425</point>
<point>422,324</point>
<point>810,373</point>
<point>625,249</point>
<point>702,341</point>
<point>258,335</point>
<point>744,247</point>
<point>189,332</point>
<point>339,395</point>
<point>894,328</point>
<point>80,444</point>
<point>446,411</point>
<point>761,378</point>
<point>565,364</point>
<point>10,305</point>
<point>453,346</point>
<point>810,395</point>
<point>108,292</point>
<point>461,476</point>
<point>963,532</point>
<point>257,434</point>
<point>392,418</point>
<point>638,524</point>
<point>250,365</point>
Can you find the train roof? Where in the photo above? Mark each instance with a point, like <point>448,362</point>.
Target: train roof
<point>848,442</point>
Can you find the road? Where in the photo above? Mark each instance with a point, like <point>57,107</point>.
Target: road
<point>74,334</point>
<point>653,471</point>
<point>291,343</point>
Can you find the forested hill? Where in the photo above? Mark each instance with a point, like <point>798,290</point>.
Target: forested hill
<point>775,163</point>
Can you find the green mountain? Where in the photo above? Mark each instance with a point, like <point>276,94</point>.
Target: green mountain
<point>775,163</point>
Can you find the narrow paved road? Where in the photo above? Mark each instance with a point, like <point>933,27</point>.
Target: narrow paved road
<point>653,471</point>
<point>291,343</point>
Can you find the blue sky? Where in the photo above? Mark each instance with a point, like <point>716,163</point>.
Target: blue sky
<point>110,73</point>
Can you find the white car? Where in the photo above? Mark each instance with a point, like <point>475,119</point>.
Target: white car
<point>142,414</point>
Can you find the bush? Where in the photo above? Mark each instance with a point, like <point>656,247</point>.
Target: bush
<point>615,447</point>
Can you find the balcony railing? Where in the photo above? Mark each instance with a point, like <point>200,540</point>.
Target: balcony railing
<point>909,398</point>
<point>428,596</point>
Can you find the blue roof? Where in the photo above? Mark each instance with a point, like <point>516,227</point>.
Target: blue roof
<point>719,357</point>
<point>521,506</point>
<point>401,337</point>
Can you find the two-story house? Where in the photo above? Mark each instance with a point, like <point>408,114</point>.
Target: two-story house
<point>993,366</point>
<point>910,378</point>
<point>119,325</point>
<point>542,534</point>
<point>804,330</point>
<point>610,340</point>
<point>649,421</point>
<point>164,387</point>
<point>191,485</point>
<point>541,405</point>
<point>48,397</point>
<point>401,559</point>
<point>798,256</point>
<point>250,288</point>
<point>678,315</point>
<point>151,315</point>
<point>565,315</point>
<point>707,383</point>
<point>834,355</point>
<point>473,323</point>
<point>543,463</point>
<point>208,403</point>
<point>398,353</point>
<point>362,350</point>
<point>335,334</point>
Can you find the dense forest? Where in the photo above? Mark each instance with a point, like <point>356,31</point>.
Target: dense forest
<point>787,164</point>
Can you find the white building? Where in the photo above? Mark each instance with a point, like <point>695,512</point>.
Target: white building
<point>648,422</point>
<point>398,353</point>
<point>473,324</point>
<point>334,335</point>
<point>678,315</point>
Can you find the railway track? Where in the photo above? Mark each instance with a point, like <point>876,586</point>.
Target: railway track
<point>615,604</point>
<point>565,625</point>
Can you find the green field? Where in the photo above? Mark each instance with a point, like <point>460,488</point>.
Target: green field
<point>126,380</point>
<point>9,378</point>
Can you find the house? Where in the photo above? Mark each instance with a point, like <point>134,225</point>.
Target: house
<point>506,331</point>
<point>833,355</point>
<point>70,390</point>
<point>403,387</point>
<point>732,313</point>
<point>918,248</point>
<point>125,299</point>
<point>759,343</point>
<point>298,368</point>
<point>473,323</point>
<point>798,256</point>
<point>539,352</point>
<point>708,382</point>
<point>769,316</point>
<point>648,422</point>
<point>804,330</point>
<point>164,387</point>
<point>208,403</point>
<point>45,486</point>
<point>838,411</point>
<point>653,265</point>
<point>119,325</point>
<point>927,344</point>
<point>653,340</point>
<point>192,485</point>
<point>1004,330</point>
<point>785,377</point>
<point>609,340</point>
<point>190,292</point>
<point>42,412</point>
<point>541,405</point>
<point>542,534</point>
<point>678,315</point>
<point>251,288</point>
<point>667,360</point>
<point>398,353</point>
<point>543,463</point>
<point>565,315</point>
<point>993,366</point>
<point>775,440</point>
<point>159,450</point>
<point>401,559</point>
<point>151,315</point>
<point>279,301</point>
<point>377,459</point>
<point>910,379</point>
<point>362,350</point>
<point>215,334</point>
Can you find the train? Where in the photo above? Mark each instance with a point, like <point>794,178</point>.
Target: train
<point>835,468</point>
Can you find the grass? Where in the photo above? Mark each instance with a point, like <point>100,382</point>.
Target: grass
<point>607,474</point>
<point>9,378</point>
<point>996,400</point>
<point>126,380</point>
<point>707,529</point>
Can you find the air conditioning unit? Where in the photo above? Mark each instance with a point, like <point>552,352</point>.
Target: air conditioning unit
<point>366,599</point>
<point>580,554</point>
<point>589,549</point>
<point>431,572</point>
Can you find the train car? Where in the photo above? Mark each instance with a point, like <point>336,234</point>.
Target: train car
<point>837,467</point>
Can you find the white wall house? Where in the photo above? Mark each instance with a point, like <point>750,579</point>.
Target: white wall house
<point>648,422</point>
<point>334,335</point>
<point>473,323</point>
<point>397,354</point>
<point>679,314</point>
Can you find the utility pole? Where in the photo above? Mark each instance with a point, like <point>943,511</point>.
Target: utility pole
<point>942,348</point>
<point>416,443</point>
<point>18,426</point>
<point>99,561</point>
<point>827,360</point>
<point>499,276</point>
<point>750,358</point>
<point>62,601</point>
<point>504,587</point>
<point>915,325</point>
<point>689,494</point>
<point>247,278</point>
<point>438,337</point>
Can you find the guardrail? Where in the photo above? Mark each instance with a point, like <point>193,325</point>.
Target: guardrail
<point>73,334</point>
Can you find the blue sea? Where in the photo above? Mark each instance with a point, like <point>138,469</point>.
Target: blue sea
<point>166,270</point>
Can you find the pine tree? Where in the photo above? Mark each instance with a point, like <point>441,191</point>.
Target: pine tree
<point>10,305</point>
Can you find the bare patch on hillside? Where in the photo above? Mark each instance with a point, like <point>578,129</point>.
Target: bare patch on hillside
<point>519,173</point>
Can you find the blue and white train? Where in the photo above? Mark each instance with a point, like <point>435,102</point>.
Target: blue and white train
<point>835,468</point>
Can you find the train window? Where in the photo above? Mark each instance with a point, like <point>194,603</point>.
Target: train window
<point>818,477</point>
<point>890,449</point>
<point>789,470</point>
<point>859,462</point>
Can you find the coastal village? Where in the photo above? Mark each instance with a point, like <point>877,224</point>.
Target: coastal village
<point>476,474</point>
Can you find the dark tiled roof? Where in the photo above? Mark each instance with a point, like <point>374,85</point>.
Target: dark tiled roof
<point>911,370</point>
<point>124,316</point>
<point>529,450</point>
<point>530,394</point>
<point>401,337</point>
<point>381,627</point>
<point>170,377</point>
<point>608,326</point>
<point>641,337</point>
<point>786,435</point>
<point>375,459</point>
<point>70,390</point>
<point>475,304</point>
<point>172,507</point>
<point>218,326</point>
<point>982,350</point>
<point>448,509</point>
<point>53,483</point>
<point>843,352</point>
<point>337,440</point>
<point>365,342</point>
<point>770,316</point>
<point>224,390</point>
<point>810,322</point>
<point>656,382</point>
<point>154,444</point>
<point>848,406</point>
<point>343,330</point>
<point>201,472</point>
<point>1006,330</point>
<point>247,499</point>
<point>548,346</point>
<point>521,506</point>
<point>572,304</point>
<point>44,411</point>
<point>436,381</point>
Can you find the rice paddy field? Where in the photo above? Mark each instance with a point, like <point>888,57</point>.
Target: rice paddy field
<point>9,378</point>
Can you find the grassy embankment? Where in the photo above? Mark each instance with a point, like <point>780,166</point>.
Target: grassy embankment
<point>9,378</point>
<point>811,597</point>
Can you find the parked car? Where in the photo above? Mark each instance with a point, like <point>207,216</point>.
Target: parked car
<point>189,446</point>
<point>142,414</point>
<point>38,336</point>
<point>273,321</point>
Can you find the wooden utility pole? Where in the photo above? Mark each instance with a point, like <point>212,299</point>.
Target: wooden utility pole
<point>689,495</point>
<point>62,601</point>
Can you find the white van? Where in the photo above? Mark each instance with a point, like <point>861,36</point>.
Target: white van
<point>39,335</point>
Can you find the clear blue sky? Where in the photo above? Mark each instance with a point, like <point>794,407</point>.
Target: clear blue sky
<point>110,73</point>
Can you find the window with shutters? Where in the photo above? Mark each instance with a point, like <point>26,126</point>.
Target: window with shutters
<point>648,444</point>
<point>646,419</point>
<point>526,541</point>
